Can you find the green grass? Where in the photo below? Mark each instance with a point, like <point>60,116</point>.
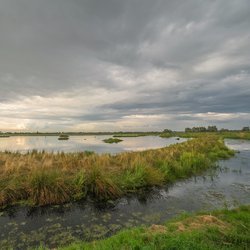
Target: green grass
<point>225,134</point>
<point>112,140</point>
<point>167,135</point>
<point>40,178</point>
<point>4,136</point>
<point>218,230</point>
<point>63,137</point>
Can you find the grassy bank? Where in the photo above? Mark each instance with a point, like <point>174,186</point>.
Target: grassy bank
<point>224,229</point>
<point>168,135</point>
<point>225,135</point>
<point>40,178</point>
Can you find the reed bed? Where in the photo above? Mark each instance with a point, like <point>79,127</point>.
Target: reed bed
<point>41,178</point>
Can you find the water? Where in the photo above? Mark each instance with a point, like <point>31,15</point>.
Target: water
<point>226,186</point>
<point>83,143</point>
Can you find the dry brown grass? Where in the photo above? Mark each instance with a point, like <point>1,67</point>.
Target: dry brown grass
<point>189,224</point>
<point>199,222</point>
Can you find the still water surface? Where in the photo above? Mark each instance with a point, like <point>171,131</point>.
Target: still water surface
<point>83,143</point>
<point>228,185</point>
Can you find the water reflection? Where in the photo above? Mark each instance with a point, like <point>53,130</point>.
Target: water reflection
<point>239,145</point>
<point>83,143</point>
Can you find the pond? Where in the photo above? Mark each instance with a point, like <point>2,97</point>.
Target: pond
<point>83,143</point>
<point>226,186</point>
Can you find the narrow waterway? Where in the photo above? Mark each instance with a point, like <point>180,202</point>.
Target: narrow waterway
<point>226,186</point>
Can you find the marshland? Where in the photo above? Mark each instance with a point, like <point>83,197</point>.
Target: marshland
<point>69,190</point>
<point>124,125</point>
<point>42,178</point>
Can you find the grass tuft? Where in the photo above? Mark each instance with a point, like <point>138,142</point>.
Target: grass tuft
<point>112,140</point>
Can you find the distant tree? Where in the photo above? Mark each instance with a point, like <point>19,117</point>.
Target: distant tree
<point>167,131</point>
<point>202,129</point>
<point>245,129</point>
<point>212,129</point>
<point>199,129</point>
<point>195,129</point>
<point>224,130</point>
<point>187,130</point>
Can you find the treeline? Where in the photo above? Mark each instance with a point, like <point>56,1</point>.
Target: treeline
<point>212,129</point>
<point>202,129</point>
<point>129,133</point>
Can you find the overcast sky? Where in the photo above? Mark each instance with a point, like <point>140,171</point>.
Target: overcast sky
<point>111,65</point>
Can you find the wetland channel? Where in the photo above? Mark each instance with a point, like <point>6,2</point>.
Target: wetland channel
<point>228,185</point>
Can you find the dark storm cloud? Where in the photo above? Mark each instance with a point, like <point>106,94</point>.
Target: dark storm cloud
<point>91,60</point>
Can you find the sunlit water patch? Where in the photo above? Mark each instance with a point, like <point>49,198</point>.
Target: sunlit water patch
<point>83,143</point>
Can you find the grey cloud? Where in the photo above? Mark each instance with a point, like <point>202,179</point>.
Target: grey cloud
<point>49,48</point>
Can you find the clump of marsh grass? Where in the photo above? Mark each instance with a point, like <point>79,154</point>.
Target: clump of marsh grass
<point>112,140</point>
<point>12,190</point>
<point>140,175</point>
<point>63,137</point>
<point>79,181</point>
<point>48,186</point>
<point>101,185</point>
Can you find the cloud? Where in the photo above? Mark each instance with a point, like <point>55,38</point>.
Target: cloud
<point>124,65</point>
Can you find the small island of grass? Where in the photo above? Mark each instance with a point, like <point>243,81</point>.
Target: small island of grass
<point>112,140</point>
<point>63,137</point>
<point>44,178</point>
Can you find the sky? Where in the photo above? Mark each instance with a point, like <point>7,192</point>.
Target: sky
<point>124,65</point>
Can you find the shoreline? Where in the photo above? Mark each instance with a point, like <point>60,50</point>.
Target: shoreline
<point>225,135</point>
<point>218,229</point>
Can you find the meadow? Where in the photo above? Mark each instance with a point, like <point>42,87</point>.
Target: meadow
<point>41,178</point>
